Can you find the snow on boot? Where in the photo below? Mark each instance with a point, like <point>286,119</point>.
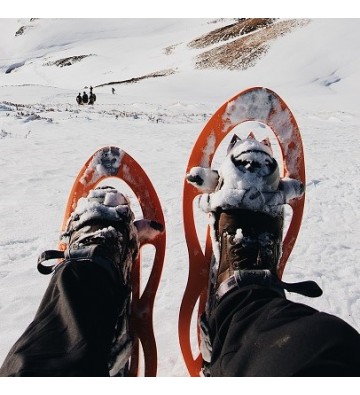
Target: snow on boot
<point>248,178</point>
<point>103,225</point>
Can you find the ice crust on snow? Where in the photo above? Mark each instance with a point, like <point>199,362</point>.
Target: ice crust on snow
<point>265,107</point>
<point>260,105</point>
<point>253,105</point>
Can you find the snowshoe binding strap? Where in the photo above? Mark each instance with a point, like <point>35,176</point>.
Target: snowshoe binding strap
<point>87,253</point>
<point>46,256</point>
<point>242,278</point>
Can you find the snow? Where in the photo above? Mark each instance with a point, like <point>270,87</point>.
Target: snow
<point>264,106</point>
<point>250,179</point>
<point>104,163</point>
<point>106,203</point>
<point>238,235</point>
<point>46,138</point>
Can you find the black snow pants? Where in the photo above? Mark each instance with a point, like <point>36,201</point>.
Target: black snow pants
<point>73,328</point>
<point>255,332</point>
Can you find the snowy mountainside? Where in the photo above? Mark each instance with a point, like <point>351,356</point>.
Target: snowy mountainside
<point>45,137</point>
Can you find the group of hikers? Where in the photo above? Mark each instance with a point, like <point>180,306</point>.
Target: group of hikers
<point>88,99</point>
<point>85,98</point>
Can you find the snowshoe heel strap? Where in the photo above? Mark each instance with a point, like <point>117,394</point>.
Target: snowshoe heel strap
<point>87,253</point>
<point>307,288</point>
<point>242,278</point>
<point>46,256</point>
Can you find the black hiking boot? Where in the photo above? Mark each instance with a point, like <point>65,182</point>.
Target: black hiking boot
<point>101,230</point>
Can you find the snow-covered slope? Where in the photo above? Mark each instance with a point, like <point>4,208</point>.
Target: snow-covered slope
<point>45,138</point>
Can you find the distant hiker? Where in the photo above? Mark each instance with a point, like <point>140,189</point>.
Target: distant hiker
<point>113,90</point>
<point>79,99</point>
<point>92,96</point>
<point>85,97</point>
